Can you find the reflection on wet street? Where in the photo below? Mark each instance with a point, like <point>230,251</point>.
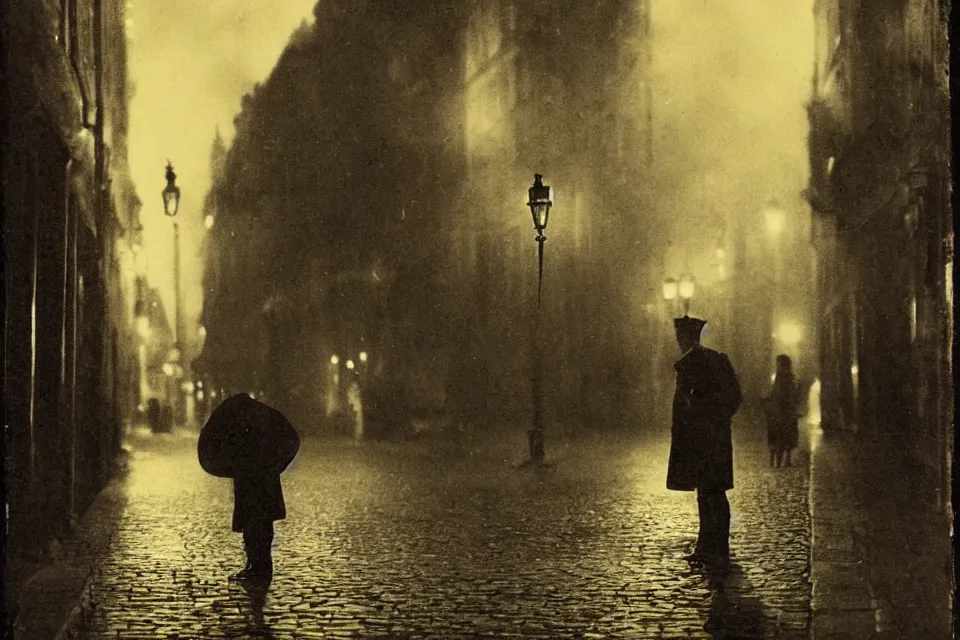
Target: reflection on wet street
<point>399,541</point>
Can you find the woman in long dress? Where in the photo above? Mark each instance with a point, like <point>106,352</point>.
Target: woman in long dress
<point>781,407</point>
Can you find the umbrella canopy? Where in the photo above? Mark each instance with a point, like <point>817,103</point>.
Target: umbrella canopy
<point>244,437</point>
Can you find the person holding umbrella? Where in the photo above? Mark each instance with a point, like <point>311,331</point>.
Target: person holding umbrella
<point>253,444</point>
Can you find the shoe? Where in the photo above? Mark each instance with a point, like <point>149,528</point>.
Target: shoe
<point>696,557</point>
<point>718,562</point>
<point>243,573</point>
<point>260,571</point>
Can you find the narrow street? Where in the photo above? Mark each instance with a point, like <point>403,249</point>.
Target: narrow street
<point>394,541</point>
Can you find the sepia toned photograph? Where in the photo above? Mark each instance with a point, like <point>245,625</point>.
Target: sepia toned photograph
<point>470,319</point>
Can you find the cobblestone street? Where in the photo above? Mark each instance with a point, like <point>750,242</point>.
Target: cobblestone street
<point>392,541</point>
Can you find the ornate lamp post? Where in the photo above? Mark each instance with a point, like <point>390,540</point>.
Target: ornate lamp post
<point>171,205</point>
<point>541,199</point>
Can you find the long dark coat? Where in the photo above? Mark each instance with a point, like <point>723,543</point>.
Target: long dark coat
<point>257,498</point>
<point>706,397</point>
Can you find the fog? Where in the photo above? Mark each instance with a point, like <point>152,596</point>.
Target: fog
<point>730,84</point>
<point>189,64</point>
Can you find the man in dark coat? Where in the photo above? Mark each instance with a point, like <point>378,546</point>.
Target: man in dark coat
<point>701,449</point>
<point>257,502</point>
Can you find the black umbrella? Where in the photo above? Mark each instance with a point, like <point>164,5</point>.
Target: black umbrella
<point>245,437</point>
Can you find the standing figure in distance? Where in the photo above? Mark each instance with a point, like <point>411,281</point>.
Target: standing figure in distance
<point>781,407</point>
<point>701,449</point>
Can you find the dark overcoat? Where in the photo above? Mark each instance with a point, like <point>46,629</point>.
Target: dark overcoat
<point>257,498</point>
<point>706,397</point>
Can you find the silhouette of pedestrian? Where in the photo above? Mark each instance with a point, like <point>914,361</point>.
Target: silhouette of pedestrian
<point>782,411</point>
<point>257,502</point>
<point>252,443</point>
<point>701,449</point>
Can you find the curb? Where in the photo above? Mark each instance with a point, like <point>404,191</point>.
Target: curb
<point>41,606</point>
<point>842,602</point>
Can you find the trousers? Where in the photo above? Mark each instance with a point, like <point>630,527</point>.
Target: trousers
<point>257,540</point>
<point>713,509</point>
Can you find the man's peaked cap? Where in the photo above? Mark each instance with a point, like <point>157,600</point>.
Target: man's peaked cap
<point>688,327</point>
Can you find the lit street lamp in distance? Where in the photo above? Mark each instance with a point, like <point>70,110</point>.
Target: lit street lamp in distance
<point>682,290</point>
<point>789,333</point>
<point>171,205</point>
<point>171,193</point>
<point>540,201</point>
<point>670,290</point>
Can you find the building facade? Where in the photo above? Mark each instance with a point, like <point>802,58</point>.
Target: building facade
<point>880,194</point>
<point>560,90</point>
<point>70,354</point>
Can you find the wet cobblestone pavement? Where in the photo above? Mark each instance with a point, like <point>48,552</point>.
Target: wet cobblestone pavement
<point>387,541</point>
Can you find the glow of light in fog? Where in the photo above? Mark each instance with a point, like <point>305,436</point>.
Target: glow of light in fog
<point>686,287</point>
<point>730,84</point>
<point>334,359</point>
<point>813,403</point>
<point>854,370</point>
<point>790,333</point>
<point>350,364</point>
<point>775,218</point>
<point>208,221</point>
<point>363,356</point>
<point>143,326</point>
<point>669,289</point>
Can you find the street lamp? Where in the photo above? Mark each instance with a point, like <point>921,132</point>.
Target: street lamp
<point>171,205</point>
<point>670,290</point>
<point>685,290</point>
<point>171,193</point>
<point>540,201</point>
